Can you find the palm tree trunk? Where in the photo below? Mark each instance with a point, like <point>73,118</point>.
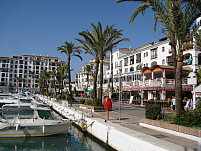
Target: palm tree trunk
<point>69,80</point>
<point>101,79</point>
<point>62,86</point>
<point>178,82</point>
<point>69,75</point>
<point>59,86</point>
<point>55,88</point>
<point>95,78</point>
<point>174,59</point>
<point>112,87</point>
<point>87,81</point>
<point>17,86</point>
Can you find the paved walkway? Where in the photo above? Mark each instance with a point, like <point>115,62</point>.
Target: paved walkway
<point>130,118</point>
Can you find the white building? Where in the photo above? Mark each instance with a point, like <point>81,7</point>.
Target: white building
<point>148,69</point>
<point>130,64</point>
<point>81,77</point>
<point>27,67</point>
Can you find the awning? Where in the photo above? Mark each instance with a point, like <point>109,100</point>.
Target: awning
<point>138,88</point>
<point>89,91</point>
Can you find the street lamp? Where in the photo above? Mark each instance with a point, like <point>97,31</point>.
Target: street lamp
<point>119,97</point>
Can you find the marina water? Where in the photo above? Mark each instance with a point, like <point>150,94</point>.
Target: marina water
<point>73,140</point>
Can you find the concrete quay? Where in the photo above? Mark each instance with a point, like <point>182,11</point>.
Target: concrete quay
<point>126,136</point>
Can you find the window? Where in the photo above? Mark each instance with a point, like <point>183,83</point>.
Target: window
<point>163,49</point>
<point>139,67</point>
<point>163,61</point>
<point>153,63</point>
<point>154,53</point>
<point>125,61</point>
<point>131,60</point>
<point>138,58</point>
<point>146,54</point>
<point>131,69</point>
<point>120,63</point>
<point>116,64</point>
<point>126,70</point>
<point>3,74</point>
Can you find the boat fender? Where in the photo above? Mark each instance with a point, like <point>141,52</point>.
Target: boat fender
<point>84,127</point>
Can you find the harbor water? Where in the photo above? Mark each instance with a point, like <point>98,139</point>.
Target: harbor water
<point>73,140</point>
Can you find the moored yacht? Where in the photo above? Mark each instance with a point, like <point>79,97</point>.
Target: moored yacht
<point>37,121</point>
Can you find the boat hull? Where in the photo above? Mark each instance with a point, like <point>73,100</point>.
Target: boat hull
<point>33,130</point>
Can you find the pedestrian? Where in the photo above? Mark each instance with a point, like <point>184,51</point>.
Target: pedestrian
<point>191,104</point>
<point>173,103</point>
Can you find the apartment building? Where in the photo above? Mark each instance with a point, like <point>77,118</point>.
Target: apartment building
<point>26,67</point>
<point>81,76</point>
<point>147,69</point>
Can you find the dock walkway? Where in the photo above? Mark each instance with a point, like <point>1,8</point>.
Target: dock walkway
<point>126,135</point>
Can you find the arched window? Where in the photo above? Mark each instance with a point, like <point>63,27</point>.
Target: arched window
<point>131,69</point>
<point>153,63</point>
<point>199,59</point>
<point>187,59</point>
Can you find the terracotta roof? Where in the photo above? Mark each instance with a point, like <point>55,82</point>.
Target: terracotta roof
<point>165,67</point>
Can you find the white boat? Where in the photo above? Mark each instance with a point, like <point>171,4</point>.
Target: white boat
<point>8,101</point>
<point>38,122</point>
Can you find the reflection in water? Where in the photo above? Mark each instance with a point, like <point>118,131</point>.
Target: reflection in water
<point>72,141</point>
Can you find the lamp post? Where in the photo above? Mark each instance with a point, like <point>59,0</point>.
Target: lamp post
<point>120,97</point>
<point>192,80</point>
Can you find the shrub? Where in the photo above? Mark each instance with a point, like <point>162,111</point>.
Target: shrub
<point>96,101</point>
<point>63,97</point>
<point>188,118</point>
<point>82,101</point>
<point>88,102</point>
<point>169,117</point>
<point>153,111</point>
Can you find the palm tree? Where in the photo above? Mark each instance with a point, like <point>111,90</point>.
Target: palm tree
<point>198,74</point>
<point>177,20</point>
<point>44,80</point>
<point>61,75</point>
<point>32,73</point>
<point>88,71</point>
<point>53,75</point>
<point>101,41</point>
<point>196,3</point>
<point>17,79</point>
<point>71,51</point>
<point>197,37</point>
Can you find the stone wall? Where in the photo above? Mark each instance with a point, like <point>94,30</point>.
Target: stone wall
<point>182,129</point>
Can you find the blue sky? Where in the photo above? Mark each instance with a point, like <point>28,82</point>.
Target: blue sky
<point>40,26</point>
